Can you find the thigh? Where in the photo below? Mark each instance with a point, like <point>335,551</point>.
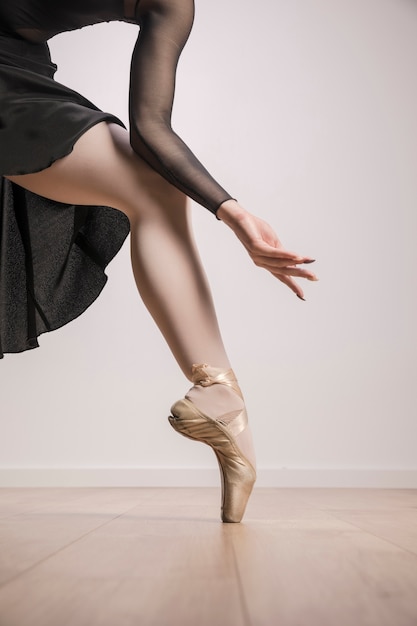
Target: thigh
<point>103,170</point>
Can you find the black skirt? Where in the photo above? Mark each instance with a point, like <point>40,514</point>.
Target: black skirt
<point>52,255</point>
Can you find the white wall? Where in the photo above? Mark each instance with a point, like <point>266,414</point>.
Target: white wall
<point>306,112</point>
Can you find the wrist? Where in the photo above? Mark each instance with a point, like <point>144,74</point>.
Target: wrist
<point>230,210</point>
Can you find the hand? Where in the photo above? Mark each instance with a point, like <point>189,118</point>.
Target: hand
<point>264,247</point>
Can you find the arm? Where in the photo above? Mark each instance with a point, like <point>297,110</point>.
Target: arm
<point>164,29</point>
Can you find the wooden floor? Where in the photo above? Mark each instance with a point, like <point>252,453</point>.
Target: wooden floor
<point>161,557</point>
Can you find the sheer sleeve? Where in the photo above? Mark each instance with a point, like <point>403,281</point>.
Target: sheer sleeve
<point>164,29</point>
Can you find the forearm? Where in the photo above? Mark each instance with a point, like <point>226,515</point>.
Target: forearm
<point>164,29</point>
<point>165,151</point>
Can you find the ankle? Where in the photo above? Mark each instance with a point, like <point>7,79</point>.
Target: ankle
<point>216,391</point>
<point>215,401</point>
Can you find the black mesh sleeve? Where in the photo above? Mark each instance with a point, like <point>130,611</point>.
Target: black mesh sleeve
<point>164,29</point>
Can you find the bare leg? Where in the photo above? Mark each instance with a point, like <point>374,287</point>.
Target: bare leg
<point>172,283</point>
<point>103,170</point>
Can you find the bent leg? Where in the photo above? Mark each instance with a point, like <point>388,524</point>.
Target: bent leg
<point>103,170</point>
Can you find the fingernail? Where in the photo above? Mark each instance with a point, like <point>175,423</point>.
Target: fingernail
<point>301,297</point>
<point>310,261</point>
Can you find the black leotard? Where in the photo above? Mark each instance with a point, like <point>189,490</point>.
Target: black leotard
<point>164,29</point>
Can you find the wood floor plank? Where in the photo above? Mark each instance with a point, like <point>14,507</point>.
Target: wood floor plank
<point>400,529</point>
<point>323,572</point>
<point>353,498</point>
<point>390,514</point>
<point>134,570</point>
<point>18,501</point>
<point>28,538</point>
<point>161,557</point>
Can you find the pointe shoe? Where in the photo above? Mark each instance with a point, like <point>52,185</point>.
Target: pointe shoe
<point>237,473</point>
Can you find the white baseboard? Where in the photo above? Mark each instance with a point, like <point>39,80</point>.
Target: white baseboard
<point>202,477</point>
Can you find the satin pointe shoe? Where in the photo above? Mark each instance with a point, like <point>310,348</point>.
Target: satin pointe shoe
<point>237,473</point>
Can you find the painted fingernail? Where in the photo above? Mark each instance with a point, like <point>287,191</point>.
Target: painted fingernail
<point>301,297</point>
<point>310,261</point>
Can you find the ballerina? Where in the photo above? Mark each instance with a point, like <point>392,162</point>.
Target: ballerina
<point>75,174</point>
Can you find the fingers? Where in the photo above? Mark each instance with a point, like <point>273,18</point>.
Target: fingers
<point>295,271</point>
<point>280,261</point>
<point>287,280</point>
<point>263,250</point>
<point>281,266</point>
<point>285,274</point>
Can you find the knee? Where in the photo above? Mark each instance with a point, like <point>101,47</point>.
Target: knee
<point>154,199</point>
<point>144,192</point>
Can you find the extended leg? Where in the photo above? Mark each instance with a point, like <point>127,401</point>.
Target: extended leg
<point>103,170</point>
